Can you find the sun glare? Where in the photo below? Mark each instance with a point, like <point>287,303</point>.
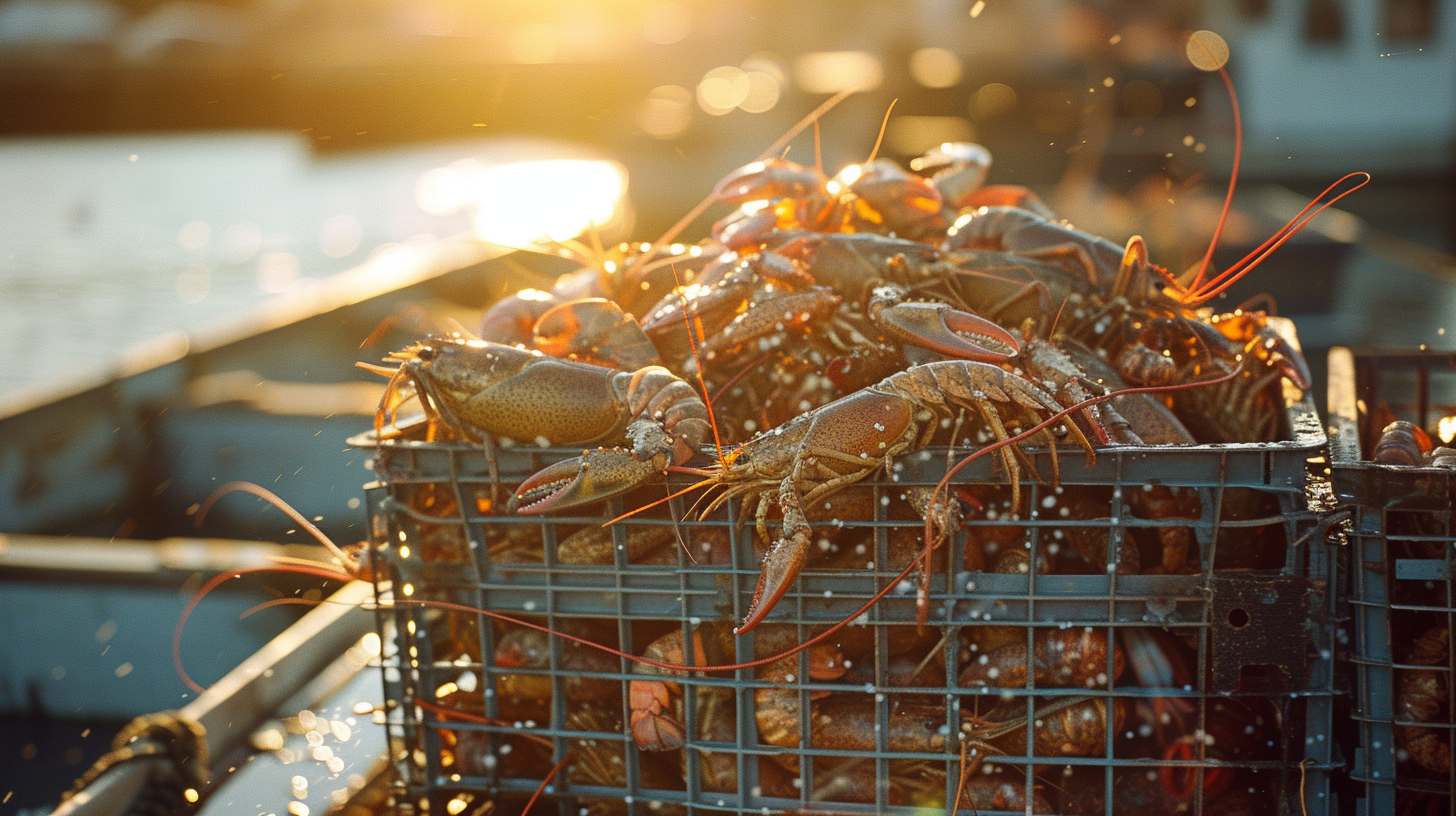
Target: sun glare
<point>520,203</point>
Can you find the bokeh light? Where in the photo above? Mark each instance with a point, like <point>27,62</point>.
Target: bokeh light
<point>768,64</point>
<point>723,89</point>
<point>993,99</point>
<point>666,112</point>
<point>1141,99</point>
<point>1207,51</point>
<point>239,243</point>
<point>935,67</point>
<point>834,71</point>
<point>194,235</point>
<point>277,271</point>
<point>193,283</point>
<point>763,92</point>
<point>666,23</point>
<point>443,190</point>
<point>340,236</point>
<point>1446,429</point>
<point>533,43</point>
<point>525,202</point>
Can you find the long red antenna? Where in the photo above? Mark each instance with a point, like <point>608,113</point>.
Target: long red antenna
<point>694,328</point>
<point>818,151</point>
<point>266,495</point>
<point>921,603</point>
<point>1228,198</point>
<point>1199,291</point>
<point>547,781</point>
<point>1245,265</point>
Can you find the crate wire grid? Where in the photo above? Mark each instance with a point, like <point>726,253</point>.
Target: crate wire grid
<point>688,593</point>
<point>1394,513</point>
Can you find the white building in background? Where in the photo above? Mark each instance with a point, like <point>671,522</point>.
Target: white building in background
<point>1338,85</point>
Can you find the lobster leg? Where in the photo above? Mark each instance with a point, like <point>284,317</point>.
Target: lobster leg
<point>825,450</point>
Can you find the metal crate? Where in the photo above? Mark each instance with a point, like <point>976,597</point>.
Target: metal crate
<point>1401,535</point>
<point>1254,621</point>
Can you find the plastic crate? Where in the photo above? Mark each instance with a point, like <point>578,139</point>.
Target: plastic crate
<point>1253,621</point>
<point>1401,535</point>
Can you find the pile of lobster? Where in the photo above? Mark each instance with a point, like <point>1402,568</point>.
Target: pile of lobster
<point>827,345</point>
<point>1421,696</point>
<point>826,328</point>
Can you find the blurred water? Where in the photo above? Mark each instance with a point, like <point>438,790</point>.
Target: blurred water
<point>107,242</point>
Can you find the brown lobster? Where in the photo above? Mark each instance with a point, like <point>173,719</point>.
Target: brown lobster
<point>1421,696</point>
<point>656,720</point>
<point>478,388</point>
<point>819,453</point>
<point>876,196</point>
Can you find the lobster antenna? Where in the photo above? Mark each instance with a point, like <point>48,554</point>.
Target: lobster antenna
<point>547,781</point>
<point>214,582</point>
<point>383,371</point>
<point>813,117</point>
<point>389,322</point>
<point>694,327</point>
<point>327,573</point>
<point>743,372</point>
<point>1247,264</point>
<point>1199,291</point>
<point>667,498</point>
<point>818,150</point>
<point>1228,198</point>
<point>682,223</point>
<point>465,716</point>
<point>266,495</point>
<point>884,123</point>
<point>677,527</point>
<point>645,661</point>
<point>940,487</point>
<point>1051,332</point>
<point>290,601</point>
<point>332,574</point>
<point>961,777</point>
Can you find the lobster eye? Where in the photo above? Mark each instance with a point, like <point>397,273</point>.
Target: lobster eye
<point>426,353</point>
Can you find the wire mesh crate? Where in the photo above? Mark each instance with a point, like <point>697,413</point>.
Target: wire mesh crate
<point>1402,538</point>
<point>1207,689</point>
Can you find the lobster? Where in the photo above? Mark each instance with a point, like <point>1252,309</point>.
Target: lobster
<point>618,278</point>
<point>1150,334</point>
<point>522,648</point>
<point>1402,443</point>
<point>762,295</point>
<point>656,720</point>
<point>820,452</point>
<point>1059,657</point>
<point>478,389</point>
<point>1420,697</point>
<point>876,196</point>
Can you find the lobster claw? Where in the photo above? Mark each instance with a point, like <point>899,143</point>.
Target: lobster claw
<point>593,476</point>
<point>1288,359</point>
<point>940,328</point>
<point>1265,342</point>
<point>767,180</point>
<point>594,331</point>
<point>781,567</point>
